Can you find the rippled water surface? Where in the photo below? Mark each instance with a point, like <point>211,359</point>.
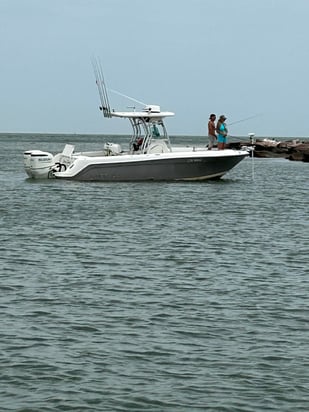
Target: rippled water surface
<point>153,296</point>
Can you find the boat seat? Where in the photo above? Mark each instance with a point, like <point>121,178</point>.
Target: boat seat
<point>68,150</point>
<point>158,146</point>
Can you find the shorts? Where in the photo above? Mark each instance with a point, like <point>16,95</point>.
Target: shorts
<point>221,138</point>
<point>212,139</point>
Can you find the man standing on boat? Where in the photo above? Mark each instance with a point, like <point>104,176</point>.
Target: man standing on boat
<point>212,137</point>
<point>222,132</point>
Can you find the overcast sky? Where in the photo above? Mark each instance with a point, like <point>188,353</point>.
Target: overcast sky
<point>241,58</point>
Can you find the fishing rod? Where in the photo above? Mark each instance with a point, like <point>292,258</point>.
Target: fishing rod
<point>100,81</point>
<point>246,118</point>
<point>240,121</point>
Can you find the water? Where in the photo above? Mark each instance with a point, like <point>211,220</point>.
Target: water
<point>153,296</point>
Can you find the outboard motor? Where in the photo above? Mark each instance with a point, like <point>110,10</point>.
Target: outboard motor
<point>38,164</point>
<point>27,157</point>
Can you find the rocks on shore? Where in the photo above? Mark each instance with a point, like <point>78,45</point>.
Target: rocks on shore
<point>290,149</point>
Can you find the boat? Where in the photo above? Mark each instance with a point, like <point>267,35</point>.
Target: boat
<point>149,156</point>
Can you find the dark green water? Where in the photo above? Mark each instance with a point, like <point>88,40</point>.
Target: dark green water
<point>153,296</point>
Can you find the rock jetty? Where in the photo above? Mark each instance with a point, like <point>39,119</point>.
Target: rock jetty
<point>290,149</point>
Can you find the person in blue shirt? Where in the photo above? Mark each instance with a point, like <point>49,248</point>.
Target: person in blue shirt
<point>222,132</point>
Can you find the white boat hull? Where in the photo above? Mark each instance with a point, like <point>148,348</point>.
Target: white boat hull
<point>186,164</point>
<point>153,167</point>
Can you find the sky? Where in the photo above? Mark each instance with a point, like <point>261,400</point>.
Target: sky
<point>246,59</point>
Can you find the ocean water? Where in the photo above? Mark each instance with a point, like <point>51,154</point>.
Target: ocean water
<point>153,296</point>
